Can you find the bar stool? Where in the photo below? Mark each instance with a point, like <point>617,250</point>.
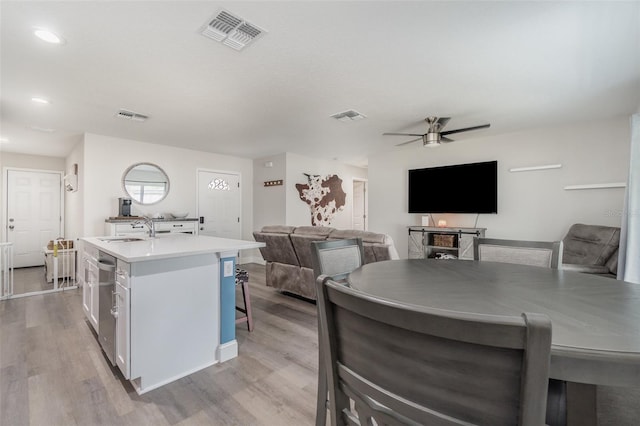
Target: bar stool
<point>242,279</point>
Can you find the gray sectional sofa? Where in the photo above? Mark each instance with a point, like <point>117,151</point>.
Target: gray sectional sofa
<point>288,253</point>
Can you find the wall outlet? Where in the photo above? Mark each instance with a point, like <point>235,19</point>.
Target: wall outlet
<point>228,268</point>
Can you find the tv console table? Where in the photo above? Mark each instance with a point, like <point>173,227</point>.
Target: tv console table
<point>427,242</point>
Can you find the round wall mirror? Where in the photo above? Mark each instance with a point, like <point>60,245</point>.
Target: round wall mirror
<point>145,183</point>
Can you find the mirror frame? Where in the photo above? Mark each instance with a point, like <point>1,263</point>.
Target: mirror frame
<point>144,163</point>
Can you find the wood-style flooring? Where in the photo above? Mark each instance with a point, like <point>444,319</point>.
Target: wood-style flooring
<point>53,372</point>
<point>27,280</point>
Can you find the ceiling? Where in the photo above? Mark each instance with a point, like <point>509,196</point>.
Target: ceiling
<point>517,65</point>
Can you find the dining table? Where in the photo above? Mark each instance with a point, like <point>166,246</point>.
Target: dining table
<point>595,319</point>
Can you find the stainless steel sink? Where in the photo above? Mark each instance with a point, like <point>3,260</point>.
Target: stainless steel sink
<point>121,239</point>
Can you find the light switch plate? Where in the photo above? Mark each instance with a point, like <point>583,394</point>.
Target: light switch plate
<point>228,268</point>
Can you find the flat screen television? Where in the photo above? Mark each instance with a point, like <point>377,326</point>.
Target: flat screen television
<point>461,188</point>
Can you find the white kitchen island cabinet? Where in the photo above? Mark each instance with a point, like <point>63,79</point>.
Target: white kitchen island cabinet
<point>174,304</point>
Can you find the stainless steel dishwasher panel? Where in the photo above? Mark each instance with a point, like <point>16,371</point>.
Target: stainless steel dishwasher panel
<point>106,298</point>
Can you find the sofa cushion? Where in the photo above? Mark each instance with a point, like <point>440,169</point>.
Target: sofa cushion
<point>591,245</point>
<point>376,246</point>
<point>278,247</point>
<point>278,229</point>
<point>612,263</point>
<point>302,237</point>
<point>366,236</point>
<point>314,230</point>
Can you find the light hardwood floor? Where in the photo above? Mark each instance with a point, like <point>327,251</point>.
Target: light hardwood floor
<point>52,371</point>
<point>27,280</point>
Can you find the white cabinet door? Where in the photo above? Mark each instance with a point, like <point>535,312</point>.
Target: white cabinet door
<point>90,294</point>
<point>86,290</point>
<point>123,322</point>
<point>94,306</point>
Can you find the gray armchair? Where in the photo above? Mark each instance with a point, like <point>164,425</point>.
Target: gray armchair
<point>592,249</point>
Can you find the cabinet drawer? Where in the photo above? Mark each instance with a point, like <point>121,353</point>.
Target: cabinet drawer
<point>175,226</point>
<point>130,228</point>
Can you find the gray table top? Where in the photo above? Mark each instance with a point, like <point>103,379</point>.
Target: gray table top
<point>595,320</point>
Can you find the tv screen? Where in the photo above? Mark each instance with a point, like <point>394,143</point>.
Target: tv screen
<point>462,188</point>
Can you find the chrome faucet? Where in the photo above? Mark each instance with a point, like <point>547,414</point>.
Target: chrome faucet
<point>150,224</point>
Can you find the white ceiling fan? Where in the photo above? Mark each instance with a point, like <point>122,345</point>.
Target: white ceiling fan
<point>435,135</point>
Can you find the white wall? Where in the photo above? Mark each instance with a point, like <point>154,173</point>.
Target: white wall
<point>270,203</point>
<point>531,205</point>
<point>74,201</point>
<point>298,212</point>
<point>106,159</point>
<point>281,205</point>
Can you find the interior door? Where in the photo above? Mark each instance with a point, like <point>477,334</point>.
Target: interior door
<point>360,205</point>
<point>219,205</point>
<point>33,213</point>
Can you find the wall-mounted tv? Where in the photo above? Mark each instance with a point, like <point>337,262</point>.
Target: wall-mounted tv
<point>461,188</point>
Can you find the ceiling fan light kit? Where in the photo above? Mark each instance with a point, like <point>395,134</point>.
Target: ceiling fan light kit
<point>435,136</point>
<point>431,140</point>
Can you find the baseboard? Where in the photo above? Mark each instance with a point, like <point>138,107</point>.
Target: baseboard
<point>227,351</point>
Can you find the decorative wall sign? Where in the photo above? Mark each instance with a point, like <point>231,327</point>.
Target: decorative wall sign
<point>273,182</point>
<point>325,197</point>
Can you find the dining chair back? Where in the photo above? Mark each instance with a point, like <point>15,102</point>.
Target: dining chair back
<point>532,253</point>
<point>404,364</point>
<point>337,259</point>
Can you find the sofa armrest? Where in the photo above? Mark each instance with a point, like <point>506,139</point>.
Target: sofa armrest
<point>587,269</point>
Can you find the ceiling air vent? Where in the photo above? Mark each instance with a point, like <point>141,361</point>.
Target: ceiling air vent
<point>350,115</point>
<point>231,30</point>
<point>129,115</point>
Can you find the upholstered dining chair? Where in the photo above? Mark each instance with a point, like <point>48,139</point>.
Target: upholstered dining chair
<point>405,364</point>
<point>533,253</point>
<point>337,259</point>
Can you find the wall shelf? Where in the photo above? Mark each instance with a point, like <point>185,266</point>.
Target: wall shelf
<point>533,168</point>
<point>596,186</point>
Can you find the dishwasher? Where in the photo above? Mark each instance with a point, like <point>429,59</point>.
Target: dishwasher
<point>106,301</point>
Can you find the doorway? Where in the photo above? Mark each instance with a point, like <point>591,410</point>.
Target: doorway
<point>34,213</point>
<point>360,205</point>
<point>33,217</point>
<point>219,204</point>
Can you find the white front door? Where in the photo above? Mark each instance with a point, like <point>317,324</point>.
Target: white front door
<point>33,214</point>
<point>219,207</point>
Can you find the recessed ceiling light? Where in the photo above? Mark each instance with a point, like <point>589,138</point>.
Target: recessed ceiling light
<point>47,36</point>
<point>39,100</point>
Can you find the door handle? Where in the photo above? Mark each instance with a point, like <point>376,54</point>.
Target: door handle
<point>11,227</point>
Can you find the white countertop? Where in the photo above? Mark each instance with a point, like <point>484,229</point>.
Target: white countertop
<point>168,246</point>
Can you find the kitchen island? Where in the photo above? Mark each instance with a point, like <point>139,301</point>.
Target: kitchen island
<point>173,303</point>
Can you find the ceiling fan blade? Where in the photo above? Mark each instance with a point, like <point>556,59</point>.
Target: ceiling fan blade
<point>466,129</point>
<point>408,142</point>
<point>401,134</point>
<point>445,139</point>
<point>442,121</point>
